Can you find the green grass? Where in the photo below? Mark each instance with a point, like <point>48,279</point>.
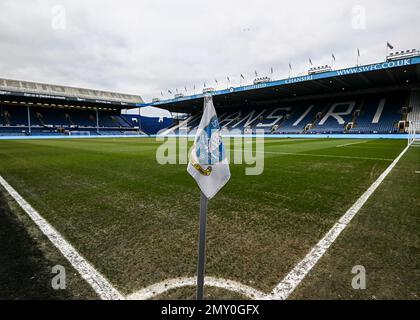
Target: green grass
<point>384,237</point>
<point>137,221</point>
<point>27,258</point>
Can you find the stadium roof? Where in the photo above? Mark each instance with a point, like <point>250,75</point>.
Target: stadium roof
<point>25,90</point>
<point>398,74</point>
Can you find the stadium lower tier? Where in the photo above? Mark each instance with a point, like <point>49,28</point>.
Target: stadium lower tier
<point>379,113</point>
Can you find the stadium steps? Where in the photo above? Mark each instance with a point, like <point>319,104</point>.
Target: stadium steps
<point>284,119</point>
<point>68,118</point>
<point>128,124</point>
<point>93,119</point>
<point>40,118</point>
<point>357,114</point>
<point>414,107</point>
<point>6,117</point>
<point>318,116</point>
<point>184,123</point>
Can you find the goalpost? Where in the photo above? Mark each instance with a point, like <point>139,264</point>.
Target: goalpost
<point>414,133</point>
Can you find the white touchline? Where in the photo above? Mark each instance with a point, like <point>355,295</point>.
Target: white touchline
<point>299,272</point>
<point>349,144</point>
<point>101,286</point>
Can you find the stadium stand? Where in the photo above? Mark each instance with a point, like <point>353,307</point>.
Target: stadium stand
<point>149,125</point>
<point>359,114</point>
<point>48,121</point>
<point>29,108</point>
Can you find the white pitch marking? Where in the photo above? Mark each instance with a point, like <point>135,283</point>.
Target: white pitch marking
<point>164,286</point>
<point>319,155</point>
<point>101,286</point>
<point>278,140</point>
<point>417,171</point>
<point>349,144</point>
<point>299,272</point>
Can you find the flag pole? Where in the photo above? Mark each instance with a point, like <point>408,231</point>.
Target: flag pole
<point>202,246</point>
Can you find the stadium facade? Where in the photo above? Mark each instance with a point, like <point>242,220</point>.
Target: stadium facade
<point>379,99</point>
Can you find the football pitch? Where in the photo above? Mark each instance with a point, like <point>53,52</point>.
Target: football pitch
<point>136,221</point>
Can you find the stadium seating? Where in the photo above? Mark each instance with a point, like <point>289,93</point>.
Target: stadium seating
<point>414,107</point>
<point>54,121</point>
<point>149,125</point>
<point>378,113</point>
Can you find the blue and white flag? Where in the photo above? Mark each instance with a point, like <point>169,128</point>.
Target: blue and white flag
<point>208,164</point>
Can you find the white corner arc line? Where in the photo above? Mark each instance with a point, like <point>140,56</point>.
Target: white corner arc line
<point>299,272</point>
<point>164,286</point>
<point>101,286</point>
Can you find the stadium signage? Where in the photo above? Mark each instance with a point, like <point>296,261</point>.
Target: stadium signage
<point>45,96</point>
<point>256,86</point>
<point>298,79</point>
<point>103,101</point>
<point>374,67</point>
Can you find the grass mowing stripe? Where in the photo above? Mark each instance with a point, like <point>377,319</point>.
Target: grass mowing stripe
<point>299,272</point>
<point>101,286</point>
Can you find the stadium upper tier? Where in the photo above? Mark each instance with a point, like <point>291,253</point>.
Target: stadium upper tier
<point>382,76</point>
<point>374,113</point>
<point>50,92</point>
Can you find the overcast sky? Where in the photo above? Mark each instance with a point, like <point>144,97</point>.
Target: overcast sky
<point>148,46</point>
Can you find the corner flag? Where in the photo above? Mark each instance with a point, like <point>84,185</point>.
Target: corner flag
<point>208,164</point>
<point>209,167</point>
